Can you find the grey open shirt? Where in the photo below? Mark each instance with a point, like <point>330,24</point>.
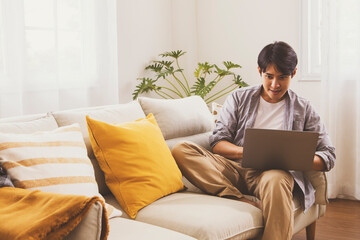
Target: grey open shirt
<point>239,113</point>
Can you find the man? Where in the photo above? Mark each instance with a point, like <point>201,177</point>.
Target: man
<point>270,105</point>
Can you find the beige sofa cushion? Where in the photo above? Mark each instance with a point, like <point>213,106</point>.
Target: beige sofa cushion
<point>179,117</point>
<point>202,216</point>
<point>121,228</point>
<point>201,139</point>
<point>210,217</point>
<point>110,114</point>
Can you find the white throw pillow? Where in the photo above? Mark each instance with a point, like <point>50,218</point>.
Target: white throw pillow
<point>51,161</point>
<point>28,124</point>
<point>179,117</point>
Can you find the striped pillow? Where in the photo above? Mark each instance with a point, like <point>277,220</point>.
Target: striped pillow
<point>53,161</point>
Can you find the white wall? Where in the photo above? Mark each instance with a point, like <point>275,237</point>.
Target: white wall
<point>185,36</point>
<point>240,29</point>
<point>208,30</point>
<point>144,31</point>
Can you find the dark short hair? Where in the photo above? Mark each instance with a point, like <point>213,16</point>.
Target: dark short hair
<point>281,55</point>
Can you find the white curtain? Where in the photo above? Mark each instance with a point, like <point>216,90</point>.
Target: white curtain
<point>341,93</point>
<point>57,54</point>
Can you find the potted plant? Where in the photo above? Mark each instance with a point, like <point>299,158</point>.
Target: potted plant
<point>171,72</point>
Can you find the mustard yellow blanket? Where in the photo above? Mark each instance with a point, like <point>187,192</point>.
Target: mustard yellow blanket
<point>26,214</point>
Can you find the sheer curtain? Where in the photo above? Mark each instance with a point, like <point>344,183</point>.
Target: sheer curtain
<point>57,54</point>
<point>341,93</point>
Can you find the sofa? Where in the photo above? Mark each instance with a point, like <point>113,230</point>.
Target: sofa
<point>187,214</point>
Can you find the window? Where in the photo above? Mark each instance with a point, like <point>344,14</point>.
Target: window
<point>53,43</point>
<point>311,20</point>
<point>2,61</point>
<point>57,54</point>
<point>54,36</point>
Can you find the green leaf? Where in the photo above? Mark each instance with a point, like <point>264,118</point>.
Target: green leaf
<point>198,71</point>
<point>169,70</point>
<point>206,67</point>
<point>178,70</point>
<point>165,63</point>
<point>229,65</point>
<point>200,87</point>
<point>238,81</point>
<point>146,85</point>
<point>166,72</point>
<point>156,67</point>
<point>203,68</point>
<point>173,54</point>
<point>222,72</point>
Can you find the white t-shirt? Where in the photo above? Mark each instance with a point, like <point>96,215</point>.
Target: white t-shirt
<point>270,115</point>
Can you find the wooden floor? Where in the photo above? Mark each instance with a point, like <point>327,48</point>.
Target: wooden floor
<point>340,222</point>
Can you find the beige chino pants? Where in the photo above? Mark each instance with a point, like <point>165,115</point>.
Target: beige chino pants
<point>220,176</point>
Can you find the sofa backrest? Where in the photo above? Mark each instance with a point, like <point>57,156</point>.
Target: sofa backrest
<point>178,119</point>
<point>184,119</point>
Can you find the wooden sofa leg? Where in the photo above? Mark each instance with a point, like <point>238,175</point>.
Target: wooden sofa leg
<point>310,231</point>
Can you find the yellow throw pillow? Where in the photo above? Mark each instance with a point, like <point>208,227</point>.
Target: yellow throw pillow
<point>137,163</point>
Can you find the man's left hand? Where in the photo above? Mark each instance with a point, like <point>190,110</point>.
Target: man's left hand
<point>318,164</point>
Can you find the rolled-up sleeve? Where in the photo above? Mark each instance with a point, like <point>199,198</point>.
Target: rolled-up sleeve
<point>226,125</point>
<point>324,148</point>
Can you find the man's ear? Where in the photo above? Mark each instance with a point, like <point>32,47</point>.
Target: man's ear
<point>259,71</point>
<point>293,74</point>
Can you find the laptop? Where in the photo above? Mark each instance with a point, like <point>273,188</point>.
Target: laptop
<point>279,149</point>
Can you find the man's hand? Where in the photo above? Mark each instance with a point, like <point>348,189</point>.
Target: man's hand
<point>228,150</point>
<point>318,164</point>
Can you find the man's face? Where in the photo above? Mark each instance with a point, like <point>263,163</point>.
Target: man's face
<point>275,84</point>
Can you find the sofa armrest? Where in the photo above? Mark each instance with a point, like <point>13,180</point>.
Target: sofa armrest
<point>319,182</point>
<point>90,227</point>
